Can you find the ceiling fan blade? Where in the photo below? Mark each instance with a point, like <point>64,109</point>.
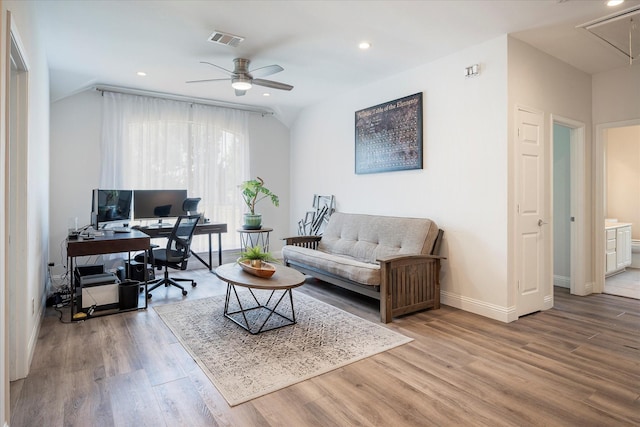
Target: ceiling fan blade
<point>218,67</point>
<point>205,80</point>
<point>271,84</point>
<point>240,92</point>
<point>266,71</point>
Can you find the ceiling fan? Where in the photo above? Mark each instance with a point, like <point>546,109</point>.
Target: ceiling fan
<point>242,79</point>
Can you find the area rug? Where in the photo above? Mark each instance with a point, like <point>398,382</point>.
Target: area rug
<point>244,366</point>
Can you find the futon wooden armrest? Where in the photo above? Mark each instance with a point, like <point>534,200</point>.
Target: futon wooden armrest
<point>310,242</point>
<point>408,283</point>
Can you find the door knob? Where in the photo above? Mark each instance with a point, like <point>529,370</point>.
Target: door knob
<point>541,223</point>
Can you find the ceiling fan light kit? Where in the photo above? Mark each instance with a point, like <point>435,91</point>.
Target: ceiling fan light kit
<point>241,84</point>
<point>242,79</point>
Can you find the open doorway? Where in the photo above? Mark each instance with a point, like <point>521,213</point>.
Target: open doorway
<point>619,147</point>
<point>569,214</point>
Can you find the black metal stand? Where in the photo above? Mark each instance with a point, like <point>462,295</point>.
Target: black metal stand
<point>245,323</point>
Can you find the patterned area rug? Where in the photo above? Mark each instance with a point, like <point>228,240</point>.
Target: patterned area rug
<point>243,366</point>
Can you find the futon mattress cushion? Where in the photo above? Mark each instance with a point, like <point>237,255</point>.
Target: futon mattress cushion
<point>339,265</point>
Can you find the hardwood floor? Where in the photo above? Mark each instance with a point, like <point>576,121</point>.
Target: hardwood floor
<point>577,364</point>
<point>626,284</point>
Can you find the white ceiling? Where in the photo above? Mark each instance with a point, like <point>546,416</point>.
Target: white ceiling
<point>107,42</point>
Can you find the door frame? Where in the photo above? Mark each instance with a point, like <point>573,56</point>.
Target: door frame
<point>16,176</point>
<point>578,284</point>
<point>4,288</point>
<point>599,199</point>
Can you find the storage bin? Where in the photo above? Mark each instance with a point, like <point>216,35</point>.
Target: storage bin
<point>128,294</point>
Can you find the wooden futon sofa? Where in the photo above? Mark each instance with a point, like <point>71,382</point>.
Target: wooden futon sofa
<point>393,259</point>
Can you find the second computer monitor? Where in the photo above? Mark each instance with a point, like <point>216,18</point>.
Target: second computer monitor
<point>154,204</point>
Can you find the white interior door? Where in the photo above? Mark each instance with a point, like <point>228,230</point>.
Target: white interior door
<point>532,229</point>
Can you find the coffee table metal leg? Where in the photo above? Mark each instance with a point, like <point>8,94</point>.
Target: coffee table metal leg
<point>243,310</point>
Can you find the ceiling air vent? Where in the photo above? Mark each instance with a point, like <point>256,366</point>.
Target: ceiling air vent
<point>225,38</point>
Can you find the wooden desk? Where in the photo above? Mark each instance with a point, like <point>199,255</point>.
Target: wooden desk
<point>202,228</point>
<point>107,244</point>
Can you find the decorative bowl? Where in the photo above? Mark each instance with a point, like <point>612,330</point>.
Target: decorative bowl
<point>265,270</point>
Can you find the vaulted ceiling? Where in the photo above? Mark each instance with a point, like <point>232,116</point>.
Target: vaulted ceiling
<point>316,42</point>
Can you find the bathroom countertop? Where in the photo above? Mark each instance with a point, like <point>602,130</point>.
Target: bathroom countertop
<point>608,225</point>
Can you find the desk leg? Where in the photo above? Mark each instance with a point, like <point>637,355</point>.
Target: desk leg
<point>219,248</point>
<point>210,257</point>
<point>72,284</point>
<point>146,279</point>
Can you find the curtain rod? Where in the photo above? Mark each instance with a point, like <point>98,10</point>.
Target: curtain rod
<point>191,100</point>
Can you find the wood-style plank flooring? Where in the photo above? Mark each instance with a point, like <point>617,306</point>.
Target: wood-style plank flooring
<point>577,364</point>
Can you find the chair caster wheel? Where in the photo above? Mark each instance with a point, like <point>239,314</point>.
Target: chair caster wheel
<point>149,296</point>
<point>194,284</point>
<point>184,293</point>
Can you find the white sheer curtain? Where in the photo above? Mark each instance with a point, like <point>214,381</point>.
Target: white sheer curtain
<point>153,143</point>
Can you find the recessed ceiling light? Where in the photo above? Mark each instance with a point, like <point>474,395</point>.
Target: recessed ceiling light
<point>266,94</point>
<point>364,45</point>
<point>141,73</point>
<point>612,3</point>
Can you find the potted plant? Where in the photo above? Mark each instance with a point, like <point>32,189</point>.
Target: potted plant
<point>256,256</point>
<point>252,192</point>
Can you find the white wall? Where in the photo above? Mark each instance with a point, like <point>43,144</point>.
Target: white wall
<point>463,185</point>
<point>76,126</point>
<point>466,184</point>
<point>29,295</point>
<point>542,82</point>
<point>616,94</point>
<point>270,160</point>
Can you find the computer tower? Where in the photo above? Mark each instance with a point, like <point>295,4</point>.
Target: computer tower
<point>135,271</point>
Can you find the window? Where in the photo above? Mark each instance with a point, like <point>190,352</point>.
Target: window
<point>153,143</point>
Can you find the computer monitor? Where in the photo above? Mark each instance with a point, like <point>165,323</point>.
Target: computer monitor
<point>158,204</point>
<point>108,206</point>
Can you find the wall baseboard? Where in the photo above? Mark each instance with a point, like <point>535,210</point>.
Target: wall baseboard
<point>492,311</point>
<point>588,287</point>
<point>562,281</point>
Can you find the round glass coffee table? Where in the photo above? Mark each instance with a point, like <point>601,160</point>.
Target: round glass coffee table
<point>251,314</point>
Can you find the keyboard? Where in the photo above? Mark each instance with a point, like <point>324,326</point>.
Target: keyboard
<point>121,229</point>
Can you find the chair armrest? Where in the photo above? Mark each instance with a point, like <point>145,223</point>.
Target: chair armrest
<point>310,242</point>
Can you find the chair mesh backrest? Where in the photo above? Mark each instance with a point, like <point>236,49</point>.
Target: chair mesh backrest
<point>190,205</point>
<point>180,239</point>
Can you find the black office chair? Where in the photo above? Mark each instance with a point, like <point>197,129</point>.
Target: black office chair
<point>175,254</point>
<point>190,205</point>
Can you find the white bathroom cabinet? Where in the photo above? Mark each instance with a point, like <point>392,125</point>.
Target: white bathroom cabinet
<point>618,244</point>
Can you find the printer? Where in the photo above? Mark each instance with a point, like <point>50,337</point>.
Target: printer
<point>95,288</point>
